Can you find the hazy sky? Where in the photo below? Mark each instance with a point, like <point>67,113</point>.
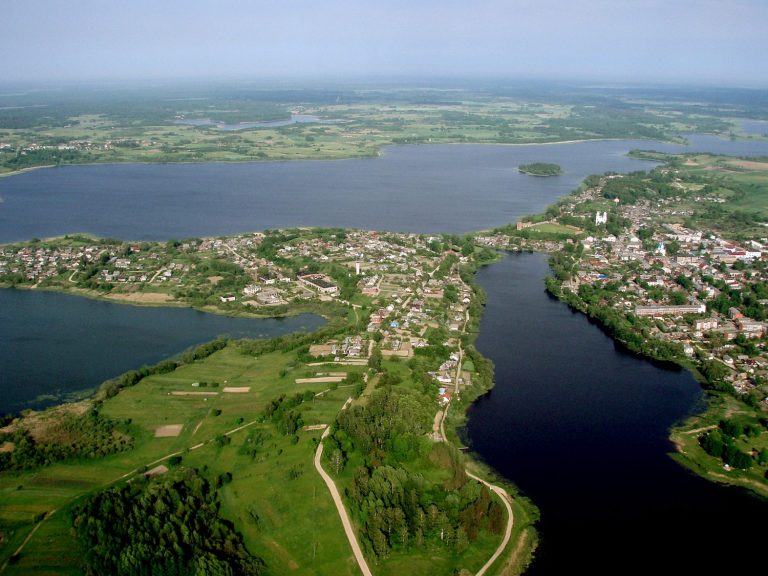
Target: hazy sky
<point>707,41</point>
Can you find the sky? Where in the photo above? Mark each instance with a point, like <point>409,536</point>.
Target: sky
<point>712,42</point>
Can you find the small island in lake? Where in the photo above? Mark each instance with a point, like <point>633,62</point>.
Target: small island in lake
<point>540,169</point>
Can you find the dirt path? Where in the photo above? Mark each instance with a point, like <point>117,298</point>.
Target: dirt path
<point>703,429</point>
<point>437,435</point>
<point>505,498</point>
<point>498,490</point>
<point>198,426</point>
<point>340,505</point>
<point>27,539</point>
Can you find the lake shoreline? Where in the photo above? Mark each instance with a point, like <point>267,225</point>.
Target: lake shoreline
<point>101,297</point>
<point>380,151</point>
<point>149,338</point>
<point>708,410</point>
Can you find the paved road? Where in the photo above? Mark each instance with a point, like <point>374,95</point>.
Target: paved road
<point>340,507</point>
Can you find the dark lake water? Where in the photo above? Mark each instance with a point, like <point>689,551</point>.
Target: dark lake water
<point>581,427</point>
<point>441,188</point>
<point>56,344</point>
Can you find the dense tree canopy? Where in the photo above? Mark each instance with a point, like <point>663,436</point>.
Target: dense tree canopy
<point>168,526</point>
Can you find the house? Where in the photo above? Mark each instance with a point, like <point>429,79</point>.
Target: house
<point>268,278</point>
<point>269,297</point>
<point>227,298</point>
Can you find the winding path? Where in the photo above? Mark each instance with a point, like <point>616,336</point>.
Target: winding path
<point>503,496</point>
<point>506,499</point>
<point>348,529</point>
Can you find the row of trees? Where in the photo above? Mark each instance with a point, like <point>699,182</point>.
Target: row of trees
<point>630,330</point>
<point>113,386</point>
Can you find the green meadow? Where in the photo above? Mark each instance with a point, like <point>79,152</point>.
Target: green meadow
<point>274,487</point>
<point>275,498</point>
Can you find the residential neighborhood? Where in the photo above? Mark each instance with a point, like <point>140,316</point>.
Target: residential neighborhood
<point>405,289</point>
<point>704,295</point>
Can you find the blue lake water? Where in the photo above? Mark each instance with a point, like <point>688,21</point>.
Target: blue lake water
<point>755,127</point>
<point>441,188</point>
<point>56,344</point>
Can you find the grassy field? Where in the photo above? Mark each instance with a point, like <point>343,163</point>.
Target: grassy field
<point>276,499</point>
<point>751,174</point>
<point>725,194</point>
<point>554,228</point>
<point>262,497</point>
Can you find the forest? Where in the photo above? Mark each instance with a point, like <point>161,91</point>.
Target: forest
<point>168,526</point>
<point>394,496</point>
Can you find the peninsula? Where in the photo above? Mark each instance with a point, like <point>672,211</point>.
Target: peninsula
<point>233,423</point>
